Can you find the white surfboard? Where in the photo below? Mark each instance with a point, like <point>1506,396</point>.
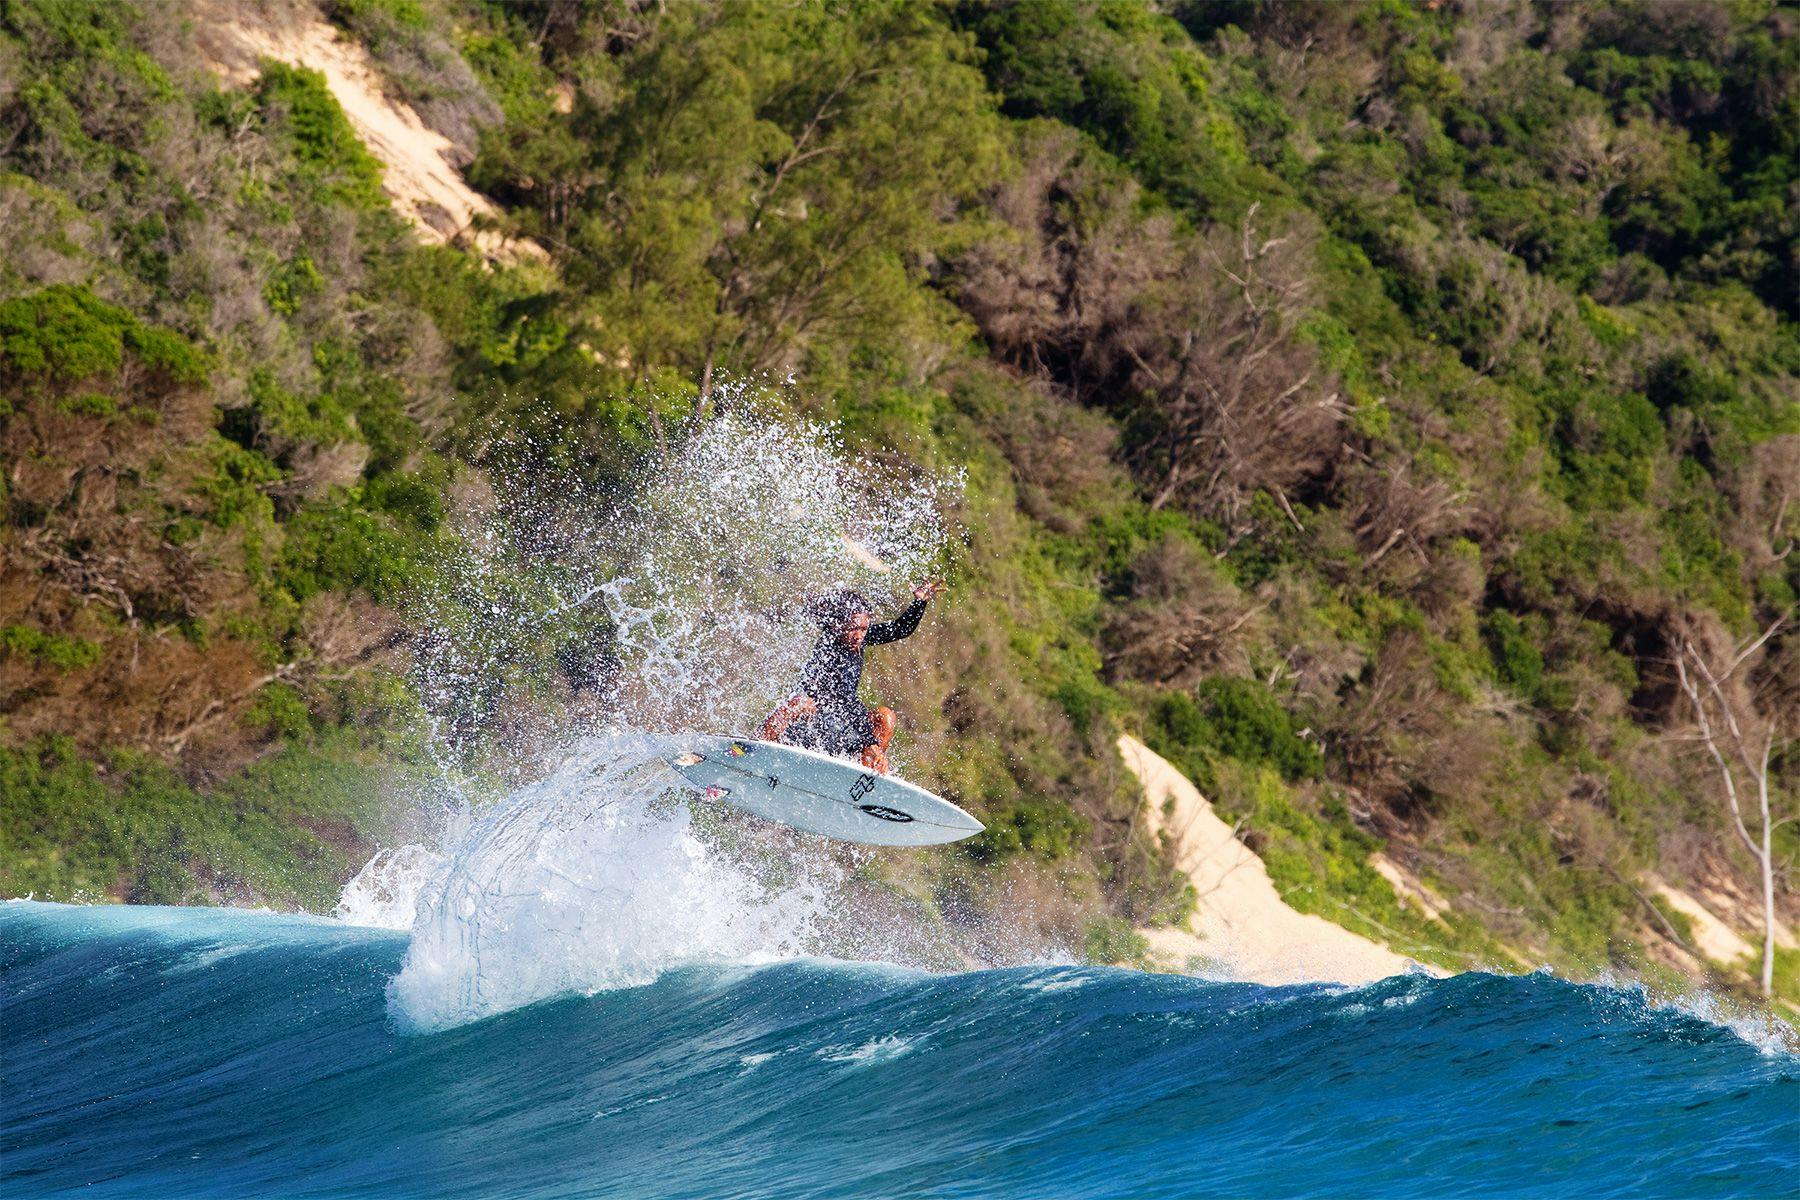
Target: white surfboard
<point>817,793</point>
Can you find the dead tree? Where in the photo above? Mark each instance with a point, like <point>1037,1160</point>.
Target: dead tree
<point>1741,744</point>
<point>1230,400</point>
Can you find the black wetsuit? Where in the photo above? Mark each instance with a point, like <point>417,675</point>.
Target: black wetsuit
<point>833,671</point>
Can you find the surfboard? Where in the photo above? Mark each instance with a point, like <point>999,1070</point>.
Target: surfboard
<point>816,793</point>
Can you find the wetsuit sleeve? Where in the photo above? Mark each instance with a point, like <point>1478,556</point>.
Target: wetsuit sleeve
<point>901,626</point>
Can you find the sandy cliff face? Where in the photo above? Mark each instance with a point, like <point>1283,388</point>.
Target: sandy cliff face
<point>418,174</point>
<point>1241,926</point>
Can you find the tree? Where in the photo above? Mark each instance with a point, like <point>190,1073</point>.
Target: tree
<point>1190,338</point>
<point>1742,743</point>
<point>1232,401</point>
<point>776,177</point>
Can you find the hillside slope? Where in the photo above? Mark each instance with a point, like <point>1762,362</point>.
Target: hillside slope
<point>1366,406</point>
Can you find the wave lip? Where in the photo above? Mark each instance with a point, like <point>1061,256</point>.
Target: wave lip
<point>143,1062</point>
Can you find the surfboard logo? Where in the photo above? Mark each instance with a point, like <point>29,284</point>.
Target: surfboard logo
<point>774,780</point>
<point>863,786</point>
<point>886,814</point>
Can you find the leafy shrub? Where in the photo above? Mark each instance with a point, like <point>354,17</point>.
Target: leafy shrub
<point>1110,941</point>
<point>1236,718</point>
<point>338,547</point>
<point>1517,659</point>
<point>280,711</point>
<point>140,832</point>
<point>53,649</point>
<point>1044,827</point>
<point>292,282</point>
<point>329,155</point>
<point>64,332</point>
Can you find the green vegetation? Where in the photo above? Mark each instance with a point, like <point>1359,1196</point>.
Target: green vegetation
<point>129,826</point>
<point>1361,402</point>
<point>67,334</point>
<point>325,151</point>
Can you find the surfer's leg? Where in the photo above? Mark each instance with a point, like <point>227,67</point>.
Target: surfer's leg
<point>786,713</point>
<point>881,723</point>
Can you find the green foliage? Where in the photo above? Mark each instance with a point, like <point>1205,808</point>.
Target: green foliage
<point>408,13</point>
<point>131,828</point>
<point>1786,982</point>
<point>276,417</point>
<point>234,490</point>
<point>1613,329</point>
<point>1047,828</point>
<point>91,100</point>
<point>1517,659</point>
<point>1113,942</point>
<point>291,283</point>
<point>53,649</point>
<point>1609,446</point>
<point>281,712</point>
<point>66,333</point>
<point>775,178</point>
<point>89,404</point>
<point>327,152</point>
<point>1128,77</point>
<point>339,547</point>
<point>1234,718</point>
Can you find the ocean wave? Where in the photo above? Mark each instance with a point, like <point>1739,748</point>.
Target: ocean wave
<point>277,1070</point>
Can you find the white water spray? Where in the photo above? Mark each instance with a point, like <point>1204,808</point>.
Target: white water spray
<point>595,875</point>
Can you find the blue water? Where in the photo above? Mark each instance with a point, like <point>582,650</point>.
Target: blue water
<point>199,1053</point>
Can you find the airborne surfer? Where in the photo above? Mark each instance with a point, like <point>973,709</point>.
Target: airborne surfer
<point>825,713</point>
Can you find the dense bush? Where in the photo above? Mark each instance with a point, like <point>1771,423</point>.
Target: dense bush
<point>66,333</point>
<point>1235,718</point>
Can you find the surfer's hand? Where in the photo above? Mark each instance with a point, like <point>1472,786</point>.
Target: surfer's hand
<point>805,707</point>
<point>928,589</point>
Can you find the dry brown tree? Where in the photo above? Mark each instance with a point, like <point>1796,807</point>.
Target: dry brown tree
<point>1742,738</point>
<point>1185,619</point>
<point>1191,339</point>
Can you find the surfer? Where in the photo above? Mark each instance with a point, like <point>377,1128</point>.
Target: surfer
<point>825,714</point>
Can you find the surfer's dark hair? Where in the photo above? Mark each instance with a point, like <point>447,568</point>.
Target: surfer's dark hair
<point>833,611</point>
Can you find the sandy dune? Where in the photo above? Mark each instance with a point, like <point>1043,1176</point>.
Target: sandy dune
<point>1241,927</point>
<point>425,188</point>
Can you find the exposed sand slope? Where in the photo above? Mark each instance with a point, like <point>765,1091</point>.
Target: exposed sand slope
<point>425,188</point>
<point>1241,926</point>
<point>1713,935</point>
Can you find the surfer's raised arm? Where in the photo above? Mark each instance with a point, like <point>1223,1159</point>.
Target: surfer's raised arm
<point>903,625</point>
